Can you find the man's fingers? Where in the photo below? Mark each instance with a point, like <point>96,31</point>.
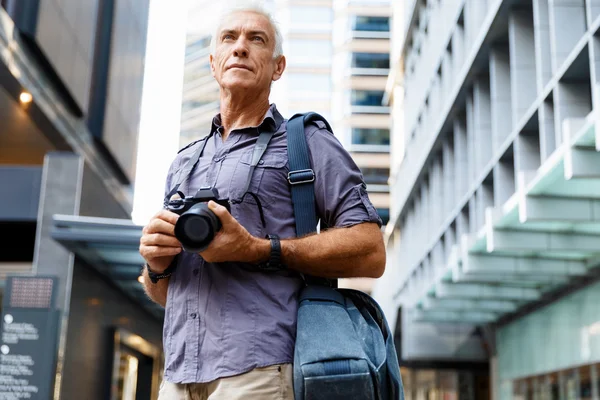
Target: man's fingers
<point>159,239</point>
<point>166,215</point>
<point>151,252</point>
<point>221,212</point>
<point>160,226</point>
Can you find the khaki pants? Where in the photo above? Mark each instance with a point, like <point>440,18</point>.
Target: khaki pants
<point>268,383</point>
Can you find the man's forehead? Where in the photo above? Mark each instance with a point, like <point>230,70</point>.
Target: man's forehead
<point>247,21</point>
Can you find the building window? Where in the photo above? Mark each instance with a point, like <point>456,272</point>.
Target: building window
<point>375,176</point>
<point>370,60</point>
<point>371,136</point>
<point>371,24</point>
<point>367,97</point>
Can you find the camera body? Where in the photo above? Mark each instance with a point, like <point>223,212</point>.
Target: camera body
<point>197,224</point>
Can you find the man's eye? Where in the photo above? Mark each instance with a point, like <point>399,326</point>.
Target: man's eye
<point>257,38</point>
<point>227,37</point>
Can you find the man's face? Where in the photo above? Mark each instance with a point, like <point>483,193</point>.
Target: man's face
<point>243,56</point>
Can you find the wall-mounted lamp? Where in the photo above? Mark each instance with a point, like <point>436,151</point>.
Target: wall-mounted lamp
<point>25,98</point>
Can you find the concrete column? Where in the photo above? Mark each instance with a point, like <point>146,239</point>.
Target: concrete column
<point>500,95</point>
<point>449,178</point>
<point>60,194</point>
<point>483,145</point>
<point>567,26</point>
<point>527,152</point>
<point>547,129</point>
<point>494,378</point>
<point>504,181</point>
<point>461,159</point>
<point>522,62</point>
<point>592,11</point>
<point>471,143</point>
<point>541,27</point>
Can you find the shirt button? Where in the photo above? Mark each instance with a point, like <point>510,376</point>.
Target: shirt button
<point>261,162</point>
<point>196,271</point>
<point>193,315</point>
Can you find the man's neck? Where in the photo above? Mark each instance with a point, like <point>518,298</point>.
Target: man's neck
<point>243,114</point>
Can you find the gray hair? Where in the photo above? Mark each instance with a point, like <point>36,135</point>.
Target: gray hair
<point>249,6</point>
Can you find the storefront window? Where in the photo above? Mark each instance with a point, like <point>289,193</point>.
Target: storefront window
<point>444,384</point>
<point>136,369</point>
<point>585,383</point>
<point>127,377</point>
<point>573,384</point>
<point>448,384</point>
<point>550,387</point>
<point>520,390</point>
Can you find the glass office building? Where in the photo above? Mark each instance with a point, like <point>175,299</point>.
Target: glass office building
<point>494,235</point>
<point>306,28</point>
<point>361,63</point>
<point>200,97</point>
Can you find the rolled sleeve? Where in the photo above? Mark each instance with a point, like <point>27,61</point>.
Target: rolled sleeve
<point>340,191</point>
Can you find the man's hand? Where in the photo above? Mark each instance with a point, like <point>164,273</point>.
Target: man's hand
<point>158,244</point>
<point>233,242</point>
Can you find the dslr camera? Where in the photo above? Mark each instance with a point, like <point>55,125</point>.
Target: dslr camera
<point>197,224</point>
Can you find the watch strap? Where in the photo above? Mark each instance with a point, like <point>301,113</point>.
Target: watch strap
<point>274,263</point>
<point>155,277</point>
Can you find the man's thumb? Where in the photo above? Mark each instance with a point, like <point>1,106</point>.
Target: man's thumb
<point>219,211</point>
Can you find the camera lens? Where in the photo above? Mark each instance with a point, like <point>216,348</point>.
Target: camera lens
<point>196,228</point>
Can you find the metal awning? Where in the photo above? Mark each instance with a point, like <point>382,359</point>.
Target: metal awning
<point>542,239</point>
<point>111,247</point>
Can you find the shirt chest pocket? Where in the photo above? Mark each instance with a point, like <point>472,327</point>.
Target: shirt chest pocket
<point>268,180</point>
<point>268,183</point>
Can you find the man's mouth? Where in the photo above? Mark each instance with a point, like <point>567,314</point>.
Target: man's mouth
<point>239,66</point>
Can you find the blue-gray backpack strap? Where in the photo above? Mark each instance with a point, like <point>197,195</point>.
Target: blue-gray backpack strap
<point>301,178</point>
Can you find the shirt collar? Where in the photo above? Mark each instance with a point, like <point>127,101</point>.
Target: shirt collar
<point>271,121</point>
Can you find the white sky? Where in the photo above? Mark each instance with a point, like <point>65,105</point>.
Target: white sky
<point>161,105</point>
<point>168,23</point>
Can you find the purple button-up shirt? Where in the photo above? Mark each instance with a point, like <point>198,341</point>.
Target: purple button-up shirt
<point>224,319</point>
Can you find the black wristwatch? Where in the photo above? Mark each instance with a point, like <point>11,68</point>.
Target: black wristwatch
<point>274,262</point>
<point>154,277</point>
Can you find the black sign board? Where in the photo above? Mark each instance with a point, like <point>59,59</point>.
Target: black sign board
<point>29,328</point>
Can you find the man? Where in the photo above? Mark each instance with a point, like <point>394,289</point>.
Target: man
<point>229,327</point>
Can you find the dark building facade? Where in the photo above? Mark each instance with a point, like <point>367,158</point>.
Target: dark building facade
<point>71,77</point>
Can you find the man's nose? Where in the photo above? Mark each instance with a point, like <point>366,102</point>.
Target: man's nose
<point>241,48</point>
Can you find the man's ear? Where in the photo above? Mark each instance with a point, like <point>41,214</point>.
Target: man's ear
<point>280,65</point>
<point>211,59</point>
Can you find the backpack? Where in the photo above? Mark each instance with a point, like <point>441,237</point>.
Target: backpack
<point>344,347</point>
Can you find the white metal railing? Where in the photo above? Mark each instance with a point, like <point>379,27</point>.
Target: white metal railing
<point>369,35</point>
<point>354,71</point>
<point>369,110</point>
<point>369,148</point>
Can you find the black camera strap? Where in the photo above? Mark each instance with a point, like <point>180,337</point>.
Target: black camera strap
<point>189,167</point>
<point>259,150</point>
